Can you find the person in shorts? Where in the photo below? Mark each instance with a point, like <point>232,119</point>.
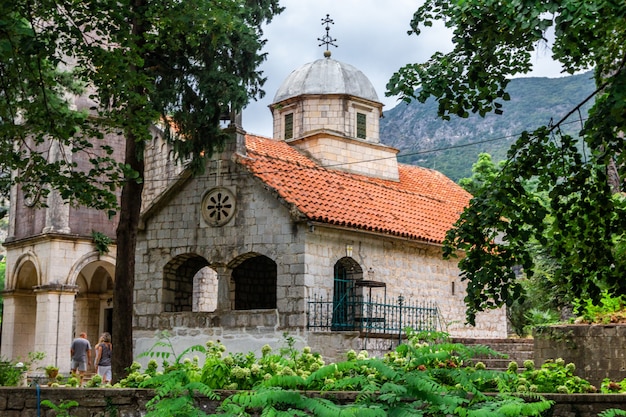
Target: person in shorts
<point>80,352</point>
<point>104,351</point>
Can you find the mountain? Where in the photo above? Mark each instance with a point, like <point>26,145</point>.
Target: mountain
<point>451,147</point>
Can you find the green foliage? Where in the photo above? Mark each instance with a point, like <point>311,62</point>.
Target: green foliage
<point>179,64</point>
<point>12,371</point>
<point>426,376</point>
<point>176,386</point>
<point>582,219</point>
<point>34,109</point>
<point>612,412</point>
<point>553,376</point>
<point>73,382</point>
<point>612,387</point>
<point>62,409</point>
<point>101,241</point>
<point>94,382</point>
<point>610,309</point>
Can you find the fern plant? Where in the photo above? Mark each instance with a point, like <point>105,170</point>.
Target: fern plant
<point>419,378</point>
<point>176,387</point>
<point>61,410</point>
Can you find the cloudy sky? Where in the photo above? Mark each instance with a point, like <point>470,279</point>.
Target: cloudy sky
<point>370,34</point>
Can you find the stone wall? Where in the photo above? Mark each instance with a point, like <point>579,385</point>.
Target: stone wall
<point>598,351</point>
<point>23,402</point>
<point>335,113</point>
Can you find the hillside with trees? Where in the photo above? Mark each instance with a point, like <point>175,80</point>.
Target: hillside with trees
<point>452,146</point>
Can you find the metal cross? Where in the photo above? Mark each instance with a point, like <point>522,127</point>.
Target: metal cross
<point>327,39</point>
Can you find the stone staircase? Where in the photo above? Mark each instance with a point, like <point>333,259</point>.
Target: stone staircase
<point>517,350</point>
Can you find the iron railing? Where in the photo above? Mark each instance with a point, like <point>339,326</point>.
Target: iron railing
<point>372,316</point>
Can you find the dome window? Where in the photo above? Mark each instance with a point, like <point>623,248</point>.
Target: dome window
<point>361,125</point>
<point>289,126</point>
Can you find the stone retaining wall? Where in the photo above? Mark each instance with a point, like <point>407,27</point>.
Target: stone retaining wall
<point>598,351</point>
<point>101,402</point>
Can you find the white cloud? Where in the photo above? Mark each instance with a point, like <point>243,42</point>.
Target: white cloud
<point>370,34</point>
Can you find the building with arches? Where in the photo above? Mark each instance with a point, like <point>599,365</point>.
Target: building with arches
<point>321,211</point>
<point>321,215</point>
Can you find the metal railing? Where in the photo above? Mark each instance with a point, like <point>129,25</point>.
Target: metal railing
<point>372,316</point>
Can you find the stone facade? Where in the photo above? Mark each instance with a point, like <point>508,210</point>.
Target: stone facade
<point>305,255</point>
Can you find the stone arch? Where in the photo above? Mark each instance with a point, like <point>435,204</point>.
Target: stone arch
<point>345,293</point>
<point>92,260</point>
<point>26,274</point>
<point>185,278</point>
<point>94,277</point>
<point>20,305</point>
<point>254,278</point>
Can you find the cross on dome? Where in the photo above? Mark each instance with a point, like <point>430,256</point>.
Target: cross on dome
<point>327,39</point>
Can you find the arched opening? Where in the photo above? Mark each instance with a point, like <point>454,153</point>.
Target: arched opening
<point>93,308</point>
<point>255,283</point>
<point>345,296</point>
<point>185,278</point>
<point>24,310</point>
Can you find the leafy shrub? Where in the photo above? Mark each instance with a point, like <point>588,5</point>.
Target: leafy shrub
<point>609,310</point>
<point>554,376</point>
<point>613,387</point>
<point>11,372</point>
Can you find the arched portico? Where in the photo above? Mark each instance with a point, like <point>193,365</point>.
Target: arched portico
<point>20,303</point>
<point>93,276</point>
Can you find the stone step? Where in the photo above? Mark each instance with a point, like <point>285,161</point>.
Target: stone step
<point>517,350</point>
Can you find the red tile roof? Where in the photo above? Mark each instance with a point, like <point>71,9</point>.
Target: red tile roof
<point>423,205</point>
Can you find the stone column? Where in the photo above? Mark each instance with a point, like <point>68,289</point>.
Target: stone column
<point>8,326</point>
<point>223,288</point>
<point>55,312</point>
<point>18,333</point>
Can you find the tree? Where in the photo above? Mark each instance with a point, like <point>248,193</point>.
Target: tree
<point>493,41</point>
<point>180,62</point>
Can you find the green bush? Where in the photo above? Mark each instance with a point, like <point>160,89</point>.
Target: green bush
<point>428,375</point>
<point>10,372</point>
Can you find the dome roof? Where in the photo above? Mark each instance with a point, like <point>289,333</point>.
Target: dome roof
<point>326,76</point>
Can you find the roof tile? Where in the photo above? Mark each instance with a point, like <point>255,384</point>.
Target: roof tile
<point>422,205</point>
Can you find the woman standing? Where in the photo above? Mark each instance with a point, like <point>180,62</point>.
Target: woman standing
<point>104,350</point>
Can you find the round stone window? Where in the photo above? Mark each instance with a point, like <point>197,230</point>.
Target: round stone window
<point>218,206</point>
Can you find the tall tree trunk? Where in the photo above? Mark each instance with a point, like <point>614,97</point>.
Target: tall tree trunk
<point>130,210</point>
<point>123,297</point>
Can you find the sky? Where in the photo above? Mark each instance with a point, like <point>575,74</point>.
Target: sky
<point>370,35</point>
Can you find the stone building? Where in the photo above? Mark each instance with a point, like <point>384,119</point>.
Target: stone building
<point>321,216</point>
<point>318,232</point>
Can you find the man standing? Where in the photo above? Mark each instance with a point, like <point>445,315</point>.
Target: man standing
<point>81,355</point>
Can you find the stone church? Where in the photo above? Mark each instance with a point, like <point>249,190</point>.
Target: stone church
<point>317,232</point>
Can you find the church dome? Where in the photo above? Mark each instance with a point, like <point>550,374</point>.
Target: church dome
<point>326,76</point>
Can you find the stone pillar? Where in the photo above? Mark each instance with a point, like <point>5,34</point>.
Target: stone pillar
<point>8,326</point>
<point>53,335</point>
<point>18,332</point>
<point>223,288</point>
